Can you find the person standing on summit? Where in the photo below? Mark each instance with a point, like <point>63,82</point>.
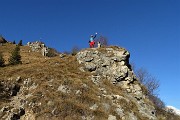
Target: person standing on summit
<point>91,41</point>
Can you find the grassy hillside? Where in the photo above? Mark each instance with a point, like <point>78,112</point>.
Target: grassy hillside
<point>55,88</point>
<point>49,74</point>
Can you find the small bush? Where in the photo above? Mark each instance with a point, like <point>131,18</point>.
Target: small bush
<point>52,52</point>
<point>67,52</point>
<point>75,50</point>
<point>2,61</point>
<point>157,101</point>
<point>103,40</point>
<point>15,57</point>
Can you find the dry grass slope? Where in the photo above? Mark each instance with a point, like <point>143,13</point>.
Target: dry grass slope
<point>42,70</point>
<point>50,73</point>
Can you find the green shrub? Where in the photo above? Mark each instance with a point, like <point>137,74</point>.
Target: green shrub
<point>15,57</point>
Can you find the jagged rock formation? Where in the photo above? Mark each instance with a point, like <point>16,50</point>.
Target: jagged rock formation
<point>38,47</point>
<point>9,89</point>
<point>113,64</point>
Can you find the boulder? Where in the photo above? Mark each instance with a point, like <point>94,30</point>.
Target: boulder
<point>111,117</point>
<point>90,67</point>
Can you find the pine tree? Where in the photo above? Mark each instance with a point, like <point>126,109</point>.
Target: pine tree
<point>1,60</point>
<point>15,57</point>
<point>14,42</point>
<point>20,43</point>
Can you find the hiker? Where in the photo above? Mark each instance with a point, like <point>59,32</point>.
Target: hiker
<point>91,41</point>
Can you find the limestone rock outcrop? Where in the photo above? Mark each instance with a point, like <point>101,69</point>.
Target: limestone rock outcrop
<point>38,47</point>
<point>112,64</point>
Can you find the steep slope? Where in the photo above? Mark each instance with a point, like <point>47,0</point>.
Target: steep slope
<point>96,84</point>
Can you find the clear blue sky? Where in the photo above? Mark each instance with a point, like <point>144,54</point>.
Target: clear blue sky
<point>149,29</point>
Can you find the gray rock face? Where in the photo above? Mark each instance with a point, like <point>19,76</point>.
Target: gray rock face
<point>15,109</point>
<point>113,64</point>
<point>90,67</point>
<point>8,89</point>
<point>119,111</point>
<point>38,47</point>
<point>111,117</point>
<point>94,107</point>
<point>64,88</point>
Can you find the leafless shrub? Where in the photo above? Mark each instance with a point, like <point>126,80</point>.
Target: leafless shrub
<point>103,40</point>
<point>152,85</point>
<point>75,50</point>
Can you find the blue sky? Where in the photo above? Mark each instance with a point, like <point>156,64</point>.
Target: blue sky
<point>149,29</point>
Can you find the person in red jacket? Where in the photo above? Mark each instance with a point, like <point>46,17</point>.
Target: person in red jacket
<point>91,44</point>
<point>91,41</point>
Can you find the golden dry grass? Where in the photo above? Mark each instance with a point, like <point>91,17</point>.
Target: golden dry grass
<point>41,70</point>
<point>36,66</point>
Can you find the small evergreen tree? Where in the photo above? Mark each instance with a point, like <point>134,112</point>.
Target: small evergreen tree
<point>14,42</point>
<point>20,43</point>
<point>1,60</point>
<point>15,57</point>
<point>2,39</point>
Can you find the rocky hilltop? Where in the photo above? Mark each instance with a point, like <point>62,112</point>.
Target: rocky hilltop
<point>95,84</point>
<point>112,64</point>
